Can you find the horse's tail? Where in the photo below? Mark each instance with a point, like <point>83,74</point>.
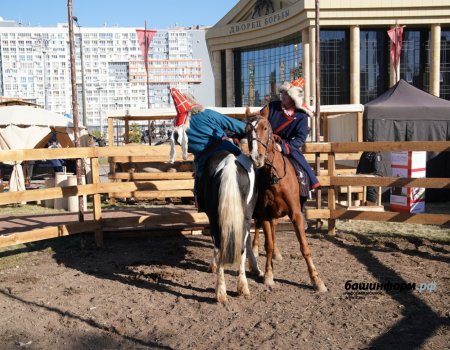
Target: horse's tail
<point>231,213</point>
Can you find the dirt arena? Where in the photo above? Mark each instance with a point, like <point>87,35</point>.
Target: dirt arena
<point>156,293</point>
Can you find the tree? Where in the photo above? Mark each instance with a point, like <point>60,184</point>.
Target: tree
<point>134,134</point>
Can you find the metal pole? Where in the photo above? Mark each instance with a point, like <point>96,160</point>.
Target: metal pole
<point>83,84</point>
<point>44,59</point>
<point>73,74</point>
<point>396,60</point>
<point>319,191</point>
<point>99,89</point>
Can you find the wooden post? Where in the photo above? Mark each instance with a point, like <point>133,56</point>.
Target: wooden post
<point>349,196</point>
<point>126,138</point>
<point>112,163</point>
<point>110,132</point>
<point>331,193</point>
<point>97,202</point>
<point>359,127</point>
<point>76,130</point>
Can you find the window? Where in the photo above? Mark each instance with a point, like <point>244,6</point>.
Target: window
<point>445,64</point>
<point>334,67</point>
<point>374,63</point>
<point>414,58</point>
<point>259,71</point>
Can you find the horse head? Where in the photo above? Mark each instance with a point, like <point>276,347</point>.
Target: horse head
<point>260,142</point>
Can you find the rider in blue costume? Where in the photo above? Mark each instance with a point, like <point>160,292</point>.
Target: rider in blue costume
<point>289,121</point>
<point>207,135</point>
<point>207,130</point>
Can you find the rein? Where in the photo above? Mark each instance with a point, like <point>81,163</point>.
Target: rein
<point>274,177</point>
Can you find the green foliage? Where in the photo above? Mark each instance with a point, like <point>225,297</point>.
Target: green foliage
<point>134,134</point>
<point>96,133</point>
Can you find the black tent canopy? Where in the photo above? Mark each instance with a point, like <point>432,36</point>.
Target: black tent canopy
<point>405,113</point>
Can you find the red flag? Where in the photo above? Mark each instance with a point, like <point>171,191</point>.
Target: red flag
<point>396,36</point>
<point>145,37</point>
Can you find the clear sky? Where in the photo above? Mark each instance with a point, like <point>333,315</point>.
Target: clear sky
<point>160,14</point>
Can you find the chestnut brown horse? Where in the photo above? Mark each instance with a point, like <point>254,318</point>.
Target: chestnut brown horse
<point>278,195</point>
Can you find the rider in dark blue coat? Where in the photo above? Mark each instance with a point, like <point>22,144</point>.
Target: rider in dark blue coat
<point>289,121</point>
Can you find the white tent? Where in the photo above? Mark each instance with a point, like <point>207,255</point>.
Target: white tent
<point>24,127</point>
<point>25,115</point>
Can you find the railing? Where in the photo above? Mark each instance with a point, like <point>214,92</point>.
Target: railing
<point>158,185</point>
<point>180,184</point>
<point>333,180</point>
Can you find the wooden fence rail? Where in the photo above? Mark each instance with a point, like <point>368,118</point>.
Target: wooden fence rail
<point>180,184</point>
<point>335,180</point>
<point>144,185</point>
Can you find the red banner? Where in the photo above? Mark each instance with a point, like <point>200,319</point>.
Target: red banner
<point>396,36</point>
<point>145,37</point>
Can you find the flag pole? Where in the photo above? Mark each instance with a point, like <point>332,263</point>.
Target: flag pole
<point>147,44</point>
<point>317,119</point>
<point>396,48</point>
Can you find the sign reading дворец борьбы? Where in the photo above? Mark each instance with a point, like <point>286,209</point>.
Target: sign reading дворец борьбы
<point>259,23</point>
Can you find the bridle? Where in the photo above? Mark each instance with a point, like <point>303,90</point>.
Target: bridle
<point>256,138</point>
<point>252,135</point>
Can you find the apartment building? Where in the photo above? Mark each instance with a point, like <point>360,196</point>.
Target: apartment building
<point>35,66</point>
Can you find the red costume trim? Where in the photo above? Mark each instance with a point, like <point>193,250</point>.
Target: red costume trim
<point>286,123</point>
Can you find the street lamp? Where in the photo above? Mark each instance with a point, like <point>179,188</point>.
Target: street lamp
<point>83,86</point>
<point>42,46</point>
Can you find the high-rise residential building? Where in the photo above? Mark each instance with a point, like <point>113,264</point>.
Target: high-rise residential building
<point>35,66</point>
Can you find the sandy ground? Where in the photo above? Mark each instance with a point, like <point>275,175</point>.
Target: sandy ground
<point>156,293</point>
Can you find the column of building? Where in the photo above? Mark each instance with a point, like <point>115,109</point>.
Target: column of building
<point>229,70</point>
<point>306,64</point>
<point>217,72</point>
<point>355,65</point>
<point>435,59</point>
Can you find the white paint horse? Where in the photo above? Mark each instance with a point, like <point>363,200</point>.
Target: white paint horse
<point>226,192</point>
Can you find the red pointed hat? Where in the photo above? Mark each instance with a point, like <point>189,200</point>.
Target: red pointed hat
<point>181,105</point>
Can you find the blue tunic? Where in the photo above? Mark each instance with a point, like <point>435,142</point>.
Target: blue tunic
<point>293,130</point>
<point>206,135</point>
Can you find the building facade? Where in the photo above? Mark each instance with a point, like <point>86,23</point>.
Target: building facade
<point>254,49</point>
<point>35,66</point>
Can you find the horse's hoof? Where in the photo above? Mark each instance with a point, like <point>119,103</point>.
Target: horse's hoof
<point>268,281</point>
<point>320,287</point>
<point>221,298</point>
<point>277,257</point>
<point>242,287</point>
<point>244,292</point>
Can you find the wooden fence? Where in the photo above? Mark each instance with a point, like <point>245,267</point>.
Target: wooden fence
<point>333,180</point>
<point>153,185</point>
<point>180,184</point>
